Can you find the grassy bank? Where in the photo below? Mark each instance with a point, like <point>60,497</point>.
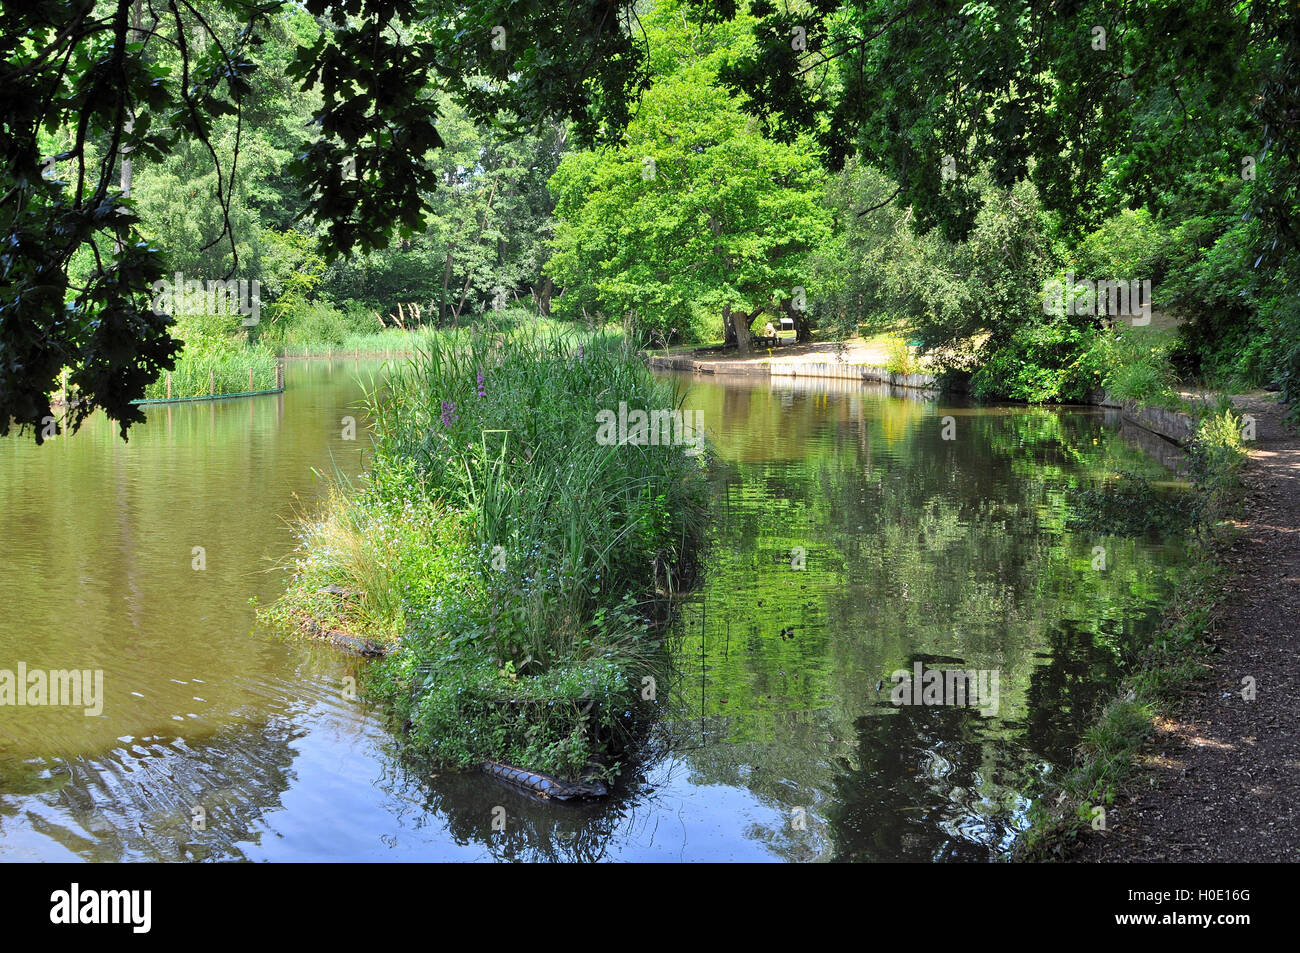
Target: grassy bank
<point>393,342</point>
<point>1159,675</point>
<point>509,559</point>
<point>397,342</point>
<point>208,366</point>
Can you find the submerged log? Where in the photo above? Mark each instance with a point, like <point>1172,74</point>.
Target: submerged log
<point>545,786</point>
<point>345,640</point>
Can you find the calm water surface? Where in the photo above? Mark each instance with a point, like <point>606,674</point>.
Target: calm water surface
<point>775,744</point>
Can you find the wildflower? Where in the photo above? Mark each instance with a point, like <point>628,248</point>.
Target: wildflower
<point>448,412</point>
<point>481,386</point>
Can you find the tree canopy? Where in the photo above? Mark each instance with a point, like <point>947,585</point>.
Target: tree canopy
<point>720,155</point>
<point>89,87</point>
<point>698,214</point>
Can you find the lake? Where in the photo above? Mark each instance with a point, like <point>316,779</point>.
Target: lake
<point>856,533</point>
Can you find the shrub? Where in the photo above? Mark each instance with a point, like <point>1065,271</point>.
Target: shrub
<point>900,360</point>
<point>1216,454</point>
<point>1135,365</point>
<point>1040,362</point>
<point>321,323</point>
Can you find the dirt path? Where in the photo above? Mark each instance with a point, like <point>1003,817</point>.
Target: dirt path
<point>1226,771</point>
<point>853,351</point>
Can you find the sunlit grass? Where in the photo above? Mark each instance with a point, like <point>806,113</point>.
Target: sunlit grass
<point>201,371</point>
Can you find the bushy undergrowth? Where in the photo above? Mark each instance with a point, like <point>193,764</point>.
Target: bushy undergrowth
<point>508,557</point>
<point>369,340</point>
<point>1040,362</point>
<point>1135,366</point>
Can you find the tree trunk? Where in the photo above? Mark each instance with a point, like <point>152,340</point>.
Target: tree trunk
<point>741,322</point>
<point>477,238</point>
<point>128,127</point>
<point>543,297</point>
<point>446,280</point>
<point>742,337</point>
<point>802,329</point>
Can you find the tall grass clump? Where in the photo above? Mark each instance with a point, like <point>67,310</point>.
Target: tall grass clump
<point>901,360</point>
<point>216,364</point>
<point>524,561</point>
<point>320,329</point>
<point>1134,365</point>
<point>376,343</point>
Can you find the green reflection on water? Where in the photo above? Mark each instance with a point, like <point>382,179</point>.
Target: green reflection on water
<point>950,553</point>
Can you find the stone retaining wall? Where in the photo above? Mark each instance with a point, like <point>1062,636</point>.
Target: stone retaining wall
<point>1174,426</point>
<point>855,372</point>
